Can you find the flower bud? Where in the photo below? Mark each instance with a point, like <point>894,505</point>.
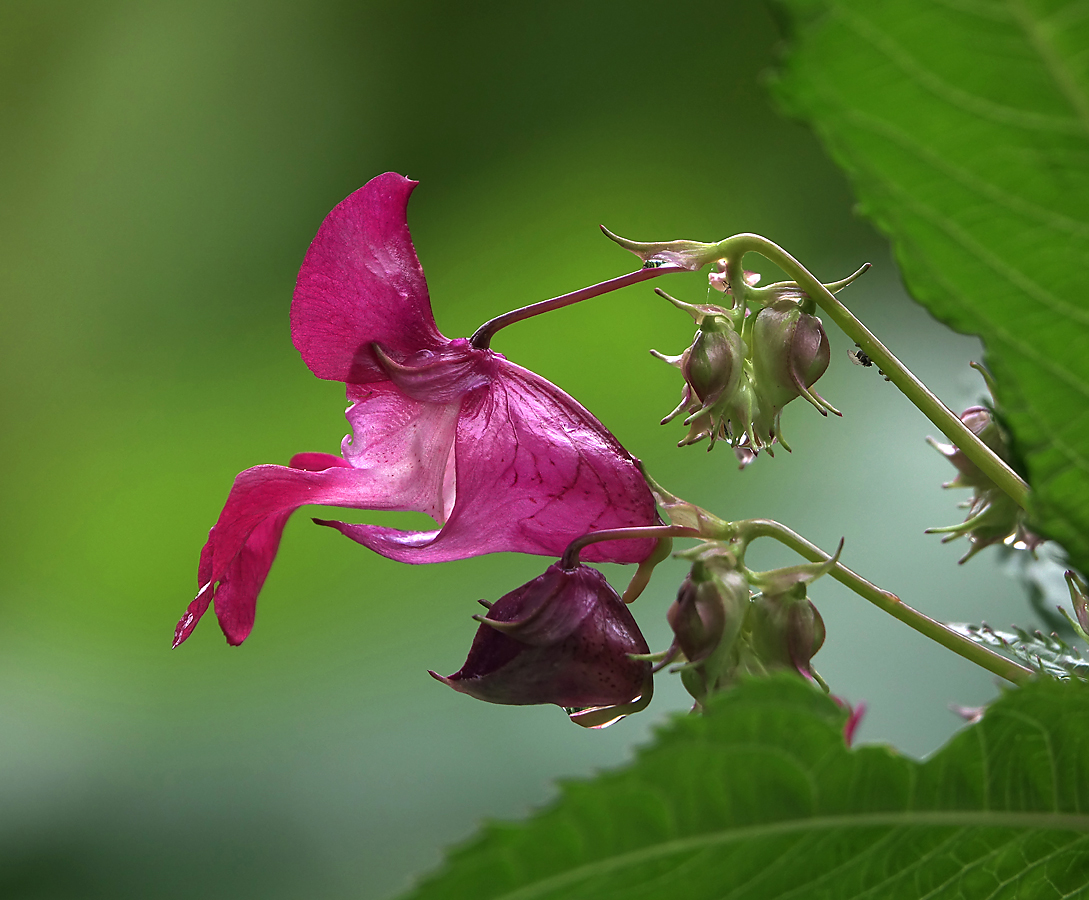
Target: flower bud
<point>706,618</point>
<point>790,352</point>
<point>713,364</point>
<point>784,630</point>
<point>993,517</point>
<point>717,396</point>
<point>708,613</point>
<point>1079,599</point>
<point>787,631</point>
<point>981,422</point>
<point>564,638</point>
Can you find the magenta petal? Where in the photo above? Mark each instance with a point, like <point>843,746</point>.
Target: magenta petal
<point>361,283</point>
<point>243,543</point>
<point>534,471</point>
<point>236,592</point>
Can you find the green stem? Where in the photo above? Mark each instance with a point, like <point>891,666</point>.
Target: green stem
<point>948,422</point>
<point>890,603</point>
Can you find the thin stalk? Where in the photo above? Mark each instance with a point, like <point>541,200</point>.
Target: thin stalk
<point>890,603</point>
<point>482,338</point>
<point>570,557</point>
<point>948,422</point>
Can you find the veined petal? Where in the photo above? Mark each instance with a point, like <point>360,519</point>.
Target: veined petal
<point>534,471</point>
<point>362,283</point>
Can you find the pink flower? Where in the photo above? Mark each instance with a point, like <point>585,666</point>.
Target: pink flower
<point>500,458</point>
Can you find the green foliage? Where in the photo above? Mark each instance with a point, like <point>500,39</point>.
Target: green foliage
<point>761,798</point>
<point>964,127</point>
<point>1048,654</point>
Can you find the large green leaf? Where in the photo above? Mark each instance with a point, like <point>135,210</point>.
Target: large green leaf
<point>964,126</point>
<point>762,799</point>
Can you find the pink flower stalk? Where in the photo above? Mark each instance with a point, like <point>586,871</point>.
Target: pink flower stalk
<point>500,458</point>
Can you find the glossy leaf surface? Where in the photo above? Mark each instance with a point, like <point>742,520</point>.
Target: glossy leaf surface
<point>964,127</point>
<point>762,799</point>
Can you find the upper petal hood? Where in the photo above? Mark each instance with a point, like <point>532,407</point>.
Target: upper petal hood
<point>361,283</point>
<point>534,470</point>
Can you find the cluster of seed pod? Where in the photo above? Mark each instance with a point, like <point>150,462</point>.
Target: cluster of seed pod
<point>723,631</point>
<point>746,363</point>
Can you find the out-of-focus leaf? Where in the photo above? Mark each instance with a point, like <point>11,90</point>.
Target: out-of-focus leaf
<point>761,798</point>
<point>1048,654</point>
<point>964,126</point>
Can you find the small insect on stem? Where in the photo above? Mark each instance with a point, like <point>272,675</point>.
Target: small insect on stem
<point>859,358</point>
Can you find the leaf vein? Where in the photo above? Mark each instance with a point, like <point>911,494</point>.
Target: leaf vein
<point>1050,57</point>
<point>966,242</point>
<point>954,96</point>
<point>966,867</point>
<point>967,179</point>
<point>1020,875</point>
<point>965,818</point>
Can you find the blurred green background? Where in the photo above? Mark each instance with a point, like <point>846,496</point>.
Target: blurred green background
<point>163,168</point>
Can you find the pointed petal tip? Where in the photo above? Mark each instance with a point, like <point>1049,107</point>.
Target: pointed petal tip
<point>183,629</point>
<point>448,682</point>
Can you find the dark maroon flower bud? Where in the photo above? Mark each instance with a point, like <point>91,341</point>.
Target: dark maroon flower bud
<point>711,605</point>
<point>565,638</point>
<point>697,618</point>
